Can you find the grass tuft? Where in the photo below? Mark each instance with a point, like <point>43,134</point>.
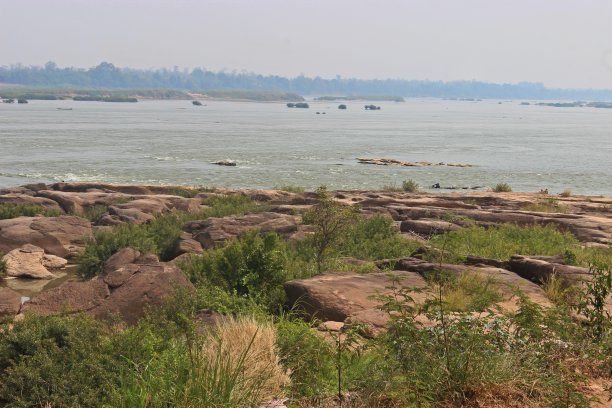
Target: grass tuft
<point>502,188</point>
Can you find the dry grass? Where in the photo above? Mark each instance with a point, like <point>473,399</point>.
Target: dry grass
<point>470,292</point>
<point>251,344</point>
<point>548,205</point>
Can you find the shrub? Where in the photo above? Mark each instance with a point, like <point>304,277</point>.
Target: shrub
<point>470,292</point>
<point>566,193</point>
<point>252,265</point>
<point>375,238</point>
<point>308,357</point>
<point>9,210</point>
<point>391,188</point>
<point>94,212</point>
<point>593,303</point>
<point>410,186</point>
<point>330,220</point>
<point>502,188</point>
<point>236,365</point>
<point>58,361</point>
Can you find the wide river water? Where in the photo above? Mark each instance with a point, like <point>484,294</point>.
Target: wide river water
<point>172,142</point>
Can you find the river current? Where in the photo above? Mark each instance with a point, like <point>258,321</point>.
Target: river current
<point>529,147</point>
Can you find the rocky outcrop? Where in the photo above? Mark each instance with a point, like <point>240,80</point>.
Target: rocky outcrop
<point>345,296</point>
<point>145,209</point>
<point>126,291</point>
<point>394,162</point>
<point>590,223</point>
<point>30,261</point>
<point>10,302</point>
<point>213,232</point>
<point>63,236</point>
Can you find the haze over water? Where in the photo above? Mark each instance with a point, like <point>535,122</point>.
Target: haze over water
<point>173,142</point>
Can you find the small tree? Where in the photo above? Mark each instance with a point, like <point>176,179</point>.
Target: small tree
<point>330,220</point>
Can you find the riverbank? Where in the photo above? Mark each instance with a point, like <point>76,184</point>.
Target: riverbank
<point>188,264</point>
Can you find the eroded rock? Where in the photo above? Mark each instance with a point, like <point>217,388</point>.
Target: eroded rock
<point>30,261</point>
<point>213,232</point>
<point>63,236</point>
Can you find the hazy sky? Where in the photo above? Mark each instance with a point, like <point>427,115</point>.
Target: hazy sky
<point>563,43</point>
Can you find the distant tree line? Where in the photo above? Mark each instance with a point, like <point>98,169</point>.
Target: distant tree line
<point>108,76</point>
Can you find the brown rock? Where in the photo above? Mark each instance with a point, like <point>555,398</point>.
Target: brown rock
<point>338,296</point>
<point>62,236</point>
<point>143,286</point>
<point>214,232</point>
<point>427,227</point>
<point>185,244</point>
<point>119,259</point>
<point>539,270</point>
<point>125,292</point>
<point>30,261</point>
<point>71,297</point>
<point>10,302</point>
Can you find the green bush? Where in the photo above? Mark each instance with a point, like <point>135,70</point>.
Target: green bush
<point>462,359</point>
<point>410,186</point>
<point>252,265</point>
<point>330,219</point>
<point>9,210</point>
<point>375,238</point>
<point>59,361</point>
<point>502,188</point>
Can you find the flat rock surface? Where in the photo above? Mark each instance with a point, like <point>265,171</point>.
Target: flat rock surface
<point>62,236</point>
<point>341,296</point>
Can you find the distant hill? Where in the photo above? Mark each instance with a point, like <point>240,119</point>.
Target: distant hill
<point>108,76</point>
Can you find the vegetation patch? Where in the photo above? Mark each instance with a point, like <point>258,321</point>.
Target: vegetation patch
<point>9,210</point>
<point>549,205</point>
<point>157,236</point>
<point>502,188</point>
<point>410,186</point>
<point>503,241</point>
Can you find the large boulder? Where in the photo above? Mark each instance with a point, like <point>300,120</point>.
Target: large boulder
<point>30,261</point>
<point>135,287</point>
<point>10,302</point>
<point>213,232</point>
<point>346,296</point>
<point>63,236</point>
<point>125,290</point>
